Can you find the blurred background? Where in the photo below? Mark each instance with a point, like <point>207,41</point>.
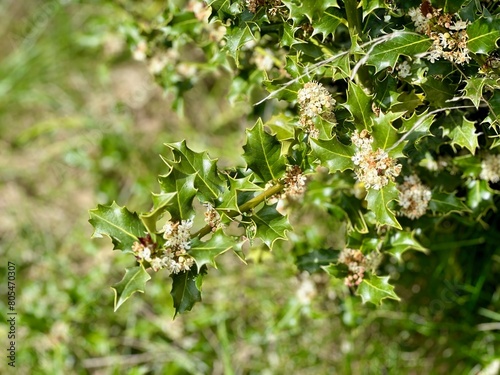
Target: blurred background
<point>81,123</point>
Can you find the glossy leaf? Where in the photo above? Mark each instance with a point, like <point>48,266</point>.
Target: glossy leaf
<point>206,252</point>
<point>207,180</point>
<point>230,200</point>
<point>378,202</point>
<point>186,290</point>
<point>271,225</point>
<point>236,38</point>
<point>461,131</point>
<point>406,43</point>
<point>333,154</point>
<point>310,9</point>
<point>483,34</point>
<point>359,104</point>
<point>446,203</point>
<point>400,242</point>
<point>328,23</point>
<point>161,203</point>
<point>263,154</point>
<point>374,289</point>
<point>119,224</point>
<point>316,259</point>
<point>135,280</point>
<point>180,206</point>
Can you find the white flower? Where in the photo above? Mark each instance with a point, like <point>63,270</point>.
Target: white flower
<point>490,168</point>
<point>404,69</point>
<point>414,197</point>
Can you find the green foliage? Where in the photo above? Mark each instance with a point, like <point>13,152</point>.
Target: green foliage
<point>366,123</point>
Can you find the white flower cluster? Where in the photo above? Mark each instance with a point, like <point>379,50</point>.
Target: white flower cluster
<point>404,69</point>
<point>450,44</point>
<point>490,168</point>
<point>356,264</point>
<point>212,218</point>
<point>314,100</point>
<point>173,257</point>
<point>374,168</point>
<point>414,197</point>
<point>274,7</point>
<point>294,182</point>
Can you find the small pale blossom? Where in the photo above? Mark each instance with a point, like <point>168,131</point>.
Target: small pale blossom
<point>355,262</point>
<point>212,217</point>
<point>314,100</point>
<point>490,168</point>
<point>140,50</point>
<point>404,69</point>
<point>294,183</point>
<point>374,168</point>
<point>414,197</point>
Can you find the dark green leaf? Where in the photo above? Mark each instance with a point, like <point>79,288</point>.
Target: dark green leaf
<point>406,43</point>
<point>311,9</point>
<point>230,198</point>
<point>333,154</point>
<point>438,92</point>
<point>118,223</point>
<point>483,34</point>
<point>180,206</point>
<point>461,131</point>
<point>446,203</point>
<point>205,252</point>
<point>378,202</point>
<point>376,288</point>
<point>263,154</point>
<point>135,280</point>
<point>359,104</point>
<point>400,242</point>
<point>328,22</point>
<point>480,197</point>
<point>186,290</point>
<point>316,259</point>
<point>236,38</point>
<point>271,225</point>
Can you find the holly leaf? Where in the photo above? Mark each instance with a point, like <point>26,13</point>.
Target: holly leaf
<point>378,202</point>
<point>370,5</point>
<point>310,9</point>
<point>438,92</point>
<point>281,126</point>
<point>359,104</point>
<point>374,289</point>
<point>237,38</point>
<point>205,252</point>
<point>207,180</point>
<point>418,126</point>
<point>337,270</point>
<point>328,23</point>
<point>406,43</point>
<point>461,131</point>
<point>263,154</point>
<point>181,205</point>
<point>186,290</point>
<point>161,202</point>
<point>480,197</point>
<point>494,105</point>
<point>384,134</point>
<point>134,280</point>
<point>333,154</point>
<point>400,242</point>
<point>483,34</point>
<point>119,224</point>
<point>446,203</point>
<point>354,213</point>
<point>316,259</point>
<point>474,89</point>
<point>230,199</point>
<point>271,225</point>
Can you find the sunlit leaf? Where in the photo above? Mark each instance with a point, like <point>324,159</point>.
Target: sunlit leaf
<point>374,289</point>
<point>271,225</point>
<point>378,202</point>
<point>135,280</point>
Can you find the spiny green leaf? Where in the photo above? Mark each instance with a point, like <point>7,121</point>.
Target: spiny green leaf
<point>337,270</point>
<point>400,242</point>
<point>230,199</point>
<point>263,154</point>
<point>493,117</point>
<point>354,213</point>
<point>359,104</point>
<point>316,259</point>
<point>271,225</point>
<point>438,92</point>
<point>446,203</point>
<point>181,205</point>
<point>370,5</point>
<point>205,252</point>
<point>281,126</point>
<point>378,201</point>
<point>384,134</point>
<point>236,38</point>
<point>406,43</point>
<point>474,88</point>
<point>311,9</point>
<point>186,290</point>
<point>328,23</point>
<point>135,280</point>
<point>161,202</point>
<point>483,34</point>
<point>461,131</point>
<point>419,127</point>
<point>118,223</point>
<point>480,197</point>
<point>333,154</point>
<point>207,180</point>
<point>376,288</point>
